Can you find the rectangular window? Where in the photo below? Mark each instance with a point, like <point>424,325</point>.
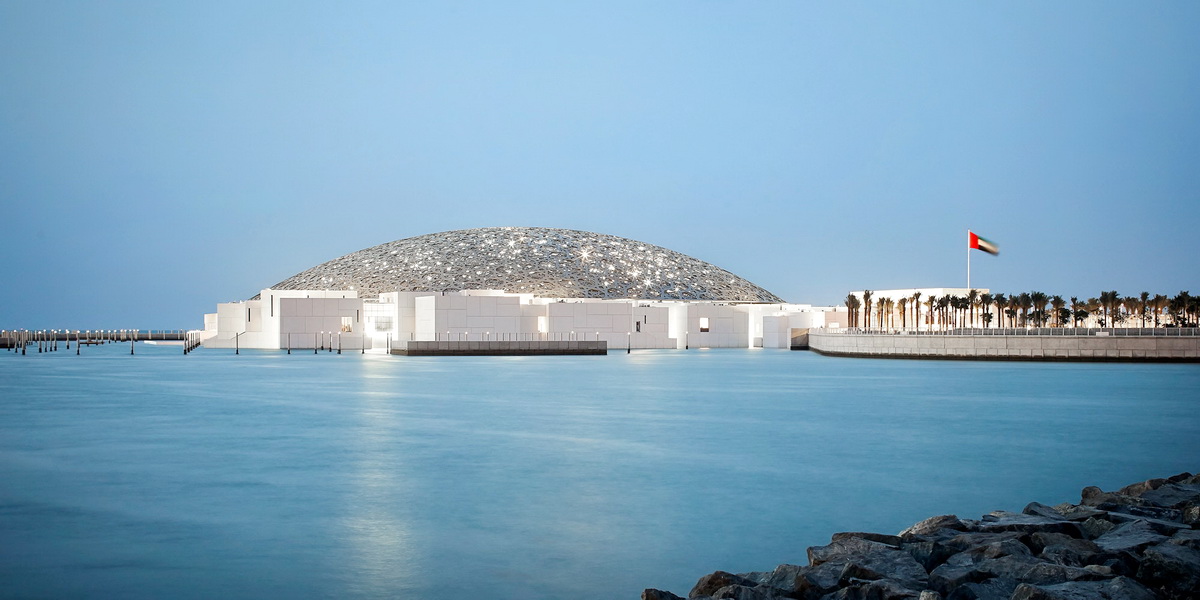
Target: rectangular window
<point>703,324</point>
<point>347,324</point>
<point>383,323</point>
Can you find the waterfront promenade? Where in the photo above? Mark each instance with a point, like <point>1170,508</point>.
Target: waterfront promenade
<point>1062,344</point>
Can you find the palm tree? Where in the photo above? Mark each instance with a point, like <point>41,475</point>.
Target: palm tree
<point>985,300</point>
<point>1081,314</point>
<point>851,310</point>
<point>972,300</point>
<point>1181,308</point>
<point>930,302</point>
<point>1131,304</point>
<point>916,300</point>
<point>1159,302</point>
<point>1037,301</point>
<point>1110,301</point>
<point>903,304</point>
<point>1024,302</point>
<point>942,303</point>
<point>1143,304</point>
<point>1001,303</point>
<point>867,307</point>
<point>1093,307</point>
<point>1057,303</point>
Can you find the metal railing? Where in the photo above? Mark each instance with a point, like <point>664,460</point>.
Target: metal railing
<point>1023,331</point>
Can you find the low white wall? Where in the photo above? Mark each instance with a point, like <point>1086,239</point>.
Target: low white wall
<point>1001,347</point>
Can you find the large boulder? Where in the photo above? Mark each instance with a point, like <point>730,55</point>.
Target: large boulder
<point>883,589</point>
<point>1130,536</point>
<point>1002,520</point>
<point>1120,588</point>
<point>841,548</point>
<point>1065,550</point>
<point>933,525</point>
<point>716,580</point>
<point>784,577</point>
<point>1095,527</point>
<point>1173,495</point>
<point>741,592</point>
<point>1172,569</point>
<point>996,588</point>
<point>653,594</point>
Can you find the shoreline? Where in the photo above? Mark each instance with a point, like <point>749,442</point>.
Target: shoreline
<point>1141,542</point>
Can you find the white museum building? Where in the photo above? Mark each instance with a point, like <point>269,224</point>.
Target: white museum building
<point>517,284</point>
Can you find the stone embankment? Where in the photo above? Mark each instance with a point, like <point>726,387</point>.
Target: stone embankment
<point>1101,347</point>
<point>1141,542</point>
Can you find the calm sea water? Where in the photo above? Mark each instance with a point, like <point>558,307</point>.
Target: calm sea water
<point>268,475</point>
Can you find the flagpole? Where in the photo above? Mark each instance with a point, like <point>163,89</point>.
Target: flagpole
<point>968,261</point>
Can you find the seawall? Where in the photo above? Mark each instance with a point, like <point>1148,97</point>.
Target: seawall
<point>1007,347</point>
<point>1141,542</point>
<point>502,348</point>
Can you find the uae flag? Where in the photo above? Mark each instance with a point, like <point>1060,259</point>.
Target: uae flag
<point>978,243</point>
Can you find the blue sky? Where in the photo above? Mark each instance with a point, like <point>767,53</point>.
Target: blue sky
<point>157,158</point>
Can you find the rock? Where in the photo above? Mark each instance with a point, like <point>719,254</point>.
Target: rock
<point>929,595</point>
<point>966,541</point>
<point>1191,515</point>
<point>1093,496</point>
<point>1042,573</point>
<point>997,588</point>
<point>960,570</point>
<point>1120,588</point>
<point>954,574</point>
<point>975,548</point>
<point>1094,528</point>
<point>1172,569</point>
<point>929,554</point>
<point>1186,537</point>
<point>712,582</point>
<point>653,594</point>
<point>1076,512</point>
<point>741,592</point>
<point>878,561</point>
<point>1180,478</point>
<point>815,582</point>
<point>1065,550</point>
<point>933,524</point>
<point>1009,521</point>
<point>784,577</point>
<point>1121,513</point>
<point>1159,525</point>
<point>891,540</point>
<point>1130,536</point>
<point>1173,495</point>
<point>841,548</point>
<point>1038,509</point>
<point>1137,489</point>
<point>884,589</point>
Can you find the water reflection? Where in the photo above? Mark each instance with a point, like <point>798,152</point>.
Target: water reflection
<point>381,560</point>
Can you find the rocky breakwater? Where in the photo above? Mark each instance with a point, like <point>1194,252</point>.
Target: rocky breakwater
<point>1141,542</point>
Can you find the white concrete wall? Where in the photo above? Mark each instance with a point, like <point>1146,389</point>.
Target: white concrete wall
<point>1006,347</point>
<point>728,326</point>
<point>297,317</point>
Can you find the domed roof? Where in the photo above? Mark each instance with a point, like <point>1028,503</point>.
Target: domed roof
<point>553,263</point>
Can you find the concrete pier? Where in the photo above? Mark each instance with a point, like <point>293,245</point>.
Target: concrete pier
<point>502,348</point>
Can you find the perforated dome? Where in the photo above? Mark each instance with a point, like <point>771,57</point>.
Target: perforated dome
<point>552,263</point>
